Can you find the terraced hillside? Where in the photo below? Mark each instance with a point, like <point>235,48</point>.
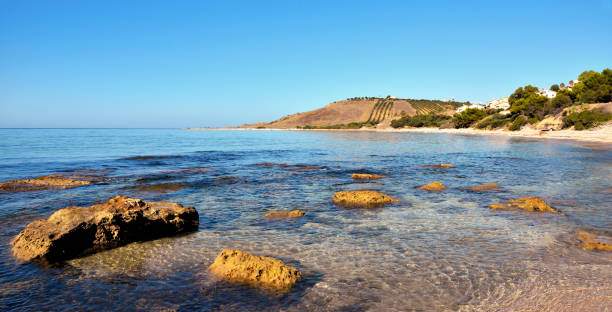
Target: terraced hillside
<point>368,110</point>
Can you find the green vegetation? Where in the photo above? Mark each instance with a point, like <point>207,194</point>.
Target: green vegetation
<point>429,120</point>
<point>493,121</point>
<point>381,110</point>
<point>555,87</point>
<point>518,123</point>
<point>424,107</point>
<point>468,117</point>
<point>594,87</point>
<point>585,119</point>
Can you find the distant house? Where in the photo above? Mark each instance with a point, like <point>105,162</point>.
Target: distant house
<point>570,84</point>
<point>547,93</point>
<point>474,105</point>
<point>498,104</point>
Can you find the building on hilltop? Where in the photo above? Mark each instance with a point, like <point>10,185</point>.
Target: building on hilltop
<point>547,93</point>
<point>502,104</point>
<point>473,105</point>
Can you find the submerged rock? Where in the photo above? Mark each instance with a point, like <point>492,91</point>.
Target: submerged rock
<point>309,168</point>
<point>366,176</point>
<point>362,198</point>
<point>434,186</point>
<point>592,241</point>
<point>285,214</point>
<point>271,165</point>
<point>163,188</point>
<point>525,203</point>
<point>76,231</point>
<point>485,187</point>
<point>241,267</point>
<point>50,182</point>
<point>439,166</point>
<point>189,170</point>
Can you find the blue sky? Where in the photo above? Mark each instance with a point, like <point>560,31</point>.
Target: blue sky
<point>218,63</point>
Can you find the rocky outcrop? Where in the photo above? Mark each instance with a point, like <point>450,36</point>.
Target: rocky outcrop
<point>50,182</point>
<point>592,241</point>
<point>285,214</point>
<point>241,267</point>
<point>76,231</point>
<point>362,198</point>
<point>366,176</point>
<point>525,203</point>
<point>434,186</point>
<point>485,187</point>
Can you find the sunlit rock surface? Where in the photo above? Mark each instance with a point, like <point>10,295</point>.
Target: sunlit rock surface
<point>238,266</point>
<point>75,231</point>
<point>366,176</point>
<point>50,182</point>
<point>485,187</point>
<point>362,198</point>
<point>285,214</point>
<point>434,186</point>
<point>525,203</point>
<point>592,241</point>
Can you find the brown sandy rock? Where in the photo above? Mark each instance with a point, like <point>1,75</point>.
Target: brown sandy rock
<point>285,214</point>
<point>76,231</point>
<point>241,267</point>
<point>525,203</point>
<point>592,241</point>
<point>50,182</point>
<point>362,198</point>
<point>485,187</point>
<point>366,176</point>
<point>434,186</point>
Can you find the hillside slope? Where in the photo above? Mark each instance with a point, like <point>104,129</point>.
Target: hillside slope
<point>361,110</point>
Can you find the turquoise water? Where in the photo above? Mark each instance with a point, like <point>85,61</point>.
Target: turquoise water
<point>430,252</point>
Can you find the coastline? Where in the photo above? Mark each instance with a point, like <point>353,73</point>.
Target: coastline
<point>601,134</point>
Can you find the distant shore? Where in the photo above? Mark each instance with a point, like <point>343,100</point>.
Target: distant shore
<point>601,134</point>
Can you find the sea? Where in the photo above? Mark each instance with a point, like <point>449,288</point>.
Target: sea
<point>432,251</point>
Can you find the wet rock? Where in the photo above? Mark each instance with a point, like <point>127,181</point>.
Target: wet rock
<point>241,267</point>
<point>592,241</point>
<point>525,203</point>
<point>50,182</point>
<point>309,168</point>
<point>189,170</point>
<point>76,231</point>
<point>434,186</point>
<point>439,166</point>
<point>271,165</point>
<point>366,176</point>
<point>485,187</point>
<point>285,214</point>
<point>158,188</point>
<point>229,179</point>
<point>362,198</point>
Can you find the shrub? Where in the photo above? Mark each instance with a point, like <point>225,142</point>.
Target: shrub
<point>495,121</point>
<point>518,123</point>
<point>428,120</point>
<point>585,119</point>
<point>469,116</point>
<point>555,88</point>
<point>561,101</point>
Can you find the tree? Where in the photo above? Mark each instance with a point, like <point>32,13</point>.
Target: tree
<point>561,100</point>
<point>594,87</point>
<point>555,87</point>
<point>469,116</point>
<point>528,102</point>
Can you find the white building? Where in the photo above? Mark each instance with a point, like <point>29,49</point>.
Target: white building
<point>474,105</point>
<point>547,93</point>
<point>499,104</point>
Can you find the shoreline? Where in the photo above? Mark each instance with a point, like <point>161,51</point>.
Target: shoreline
<point>601,134</point>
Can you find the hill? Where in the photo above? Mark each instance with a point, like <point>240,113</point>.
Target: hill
<point>357,112</point>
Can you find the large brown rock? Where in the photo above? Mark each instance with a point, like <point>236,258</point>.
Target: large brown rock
<point>76,231</point>
<point>485,187</point>
<point>362,198</point>
<point>434,186</point>
<point>241,267</point>
<point>366,176</point>
<point>525,203</point>
<point>285,214</point>
<point>50,182</point>
<point>592,241</point>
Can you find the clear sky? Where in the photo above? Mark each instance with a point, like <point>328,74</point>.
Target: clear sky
<point>217,63</point>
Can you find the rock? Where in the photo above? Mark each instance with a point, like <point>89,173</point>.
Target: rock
<point>592,241</point>
<point>241,267</point>
<point>271,165</point>
<point>163,188</point>
<point>285,214</point>
<point>308,168</point>
<point>439,166</point>
<point>525,203</point>
<point>76,231</point>
<point>434,186</point>
<point>189,170</point>
<point>366,176</point>
<point>362,198</point>
<point>485,187</point>
<point>50,182</point>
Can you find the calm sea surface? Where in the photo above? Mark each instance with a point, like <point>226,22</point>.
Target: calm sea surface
<point>441,251</point>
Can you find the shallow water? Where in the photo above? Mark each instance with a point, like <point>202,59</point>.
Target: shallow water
<point>431,252</point>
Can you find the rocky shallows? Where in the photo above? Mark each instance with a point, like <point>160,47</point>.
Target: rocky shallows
<point>365,176</point>
<point>362,198</point>
<point>77,231</point>
<point>285,214</point>
<point>592,241</point>
<point>241,267</point>
<point>50,182</point>
<point>532,204</point>
<point>434,186</point>
<point>439,166</point>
